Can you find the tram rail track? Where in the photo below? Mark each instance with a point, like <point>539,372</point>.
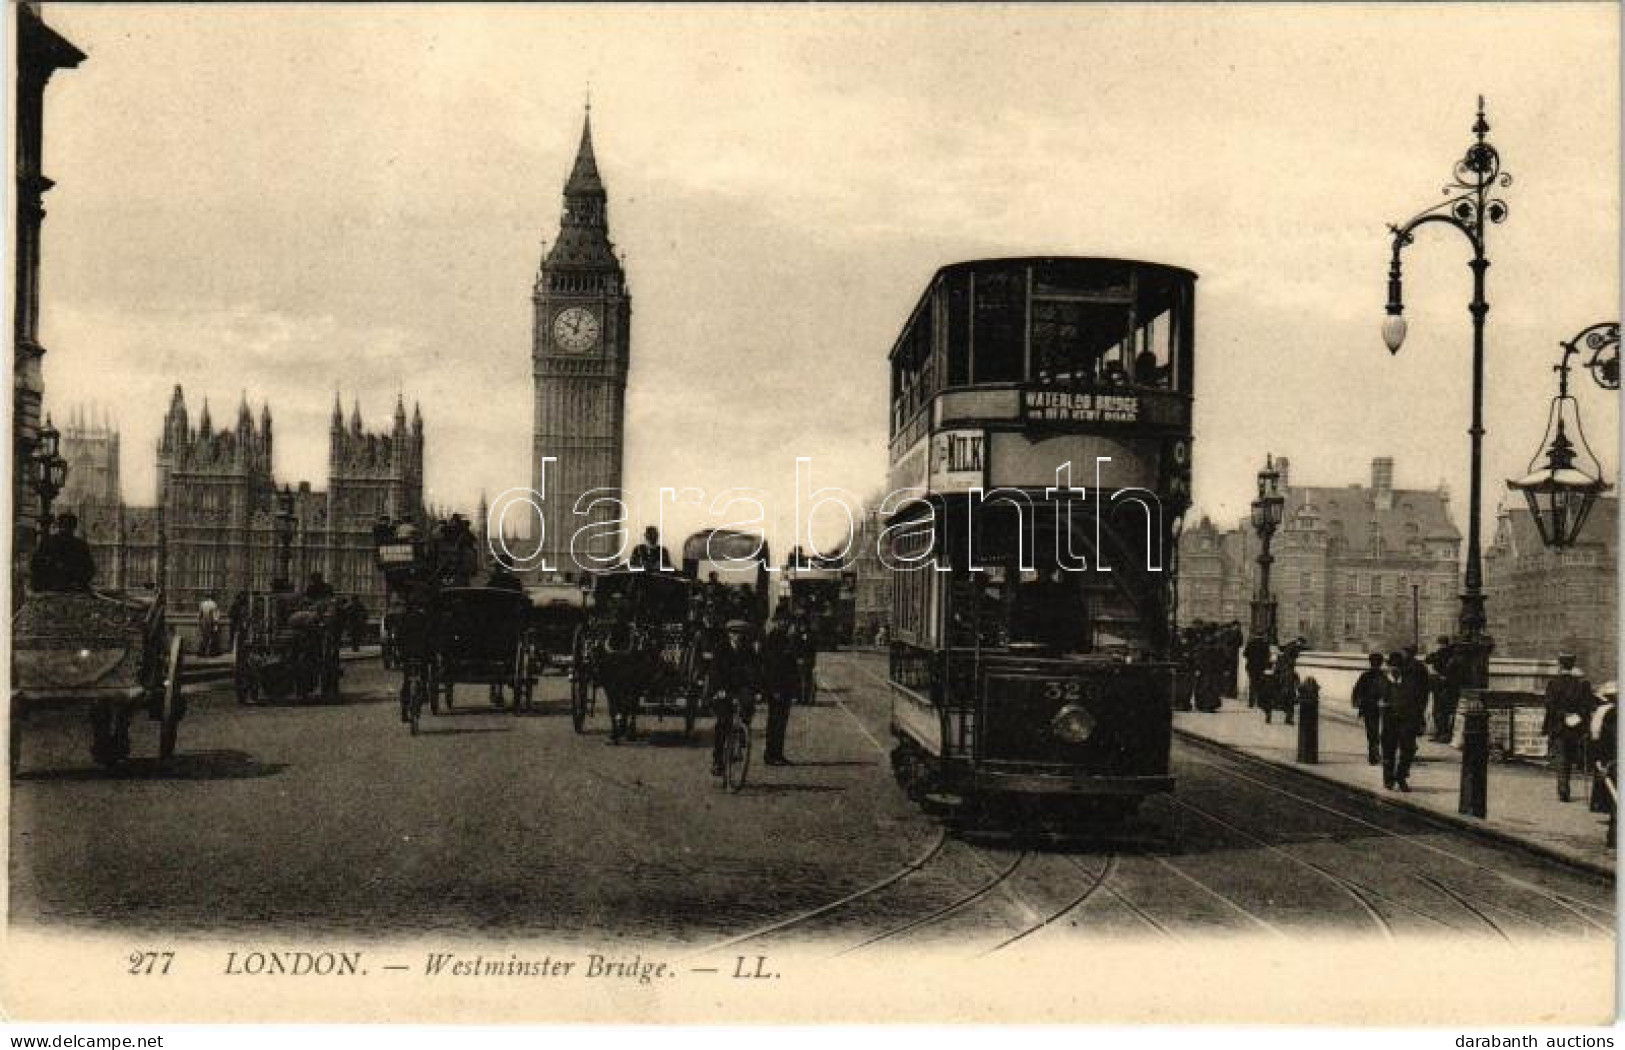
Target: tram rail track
<point>1571,905</point>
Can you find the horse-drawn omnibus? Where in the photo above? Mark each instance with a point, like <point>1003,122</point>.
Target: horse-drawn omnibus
<point>1040,466</point>
<point>739,560</point>
<point>825,595</point>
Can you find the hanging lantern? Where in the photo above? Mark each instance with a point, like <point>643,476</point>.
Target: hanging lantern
<point>1561,491</point>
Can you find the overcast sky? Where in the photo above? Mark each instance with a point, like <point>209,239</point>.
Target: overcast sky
<point>288,201</point>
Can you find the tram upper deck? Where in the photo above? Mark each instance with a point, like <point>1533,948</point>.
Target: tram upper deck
<point>1008,367</point>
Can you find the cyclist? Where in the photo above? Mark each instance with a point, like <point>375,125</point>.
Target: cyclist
<point>735,679</point>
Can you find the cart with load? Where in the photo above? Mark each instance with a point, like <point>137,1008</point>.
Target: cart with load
<point>111,654</point>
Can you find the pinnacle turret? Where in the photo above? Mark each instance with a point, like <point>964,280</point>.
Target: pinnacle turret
<point>584,178</point>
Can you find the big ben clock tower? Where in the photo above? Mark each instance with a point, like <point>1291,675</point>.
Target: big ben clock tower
<point>580,349</point>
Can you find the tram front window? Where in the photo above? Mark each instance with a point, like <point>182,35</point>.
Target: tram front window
<point>1064,612</point>
<point>1076,613</point>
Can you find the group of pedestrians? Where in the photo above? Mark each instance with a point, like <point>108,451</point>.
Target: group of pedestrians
<point>1207,657</point>
<point>1391,698</point>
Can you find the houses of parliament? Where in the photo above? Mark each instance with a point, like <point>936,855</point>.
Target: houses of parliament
<point>212,526</point>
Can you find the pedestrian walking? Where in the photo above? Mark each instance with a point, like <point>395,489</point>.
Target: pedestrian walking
<point>237,613</point>
<point>781,682</point>
<point>1604,757</point>
<point>1569,703</point>
<point>1231,639</point>
<point>1210,671</point>
<point>208,626</point>
<point>1370,698</point>
<point>1256,656</point>
<point>1445,682</point>
<point>1401,723</point>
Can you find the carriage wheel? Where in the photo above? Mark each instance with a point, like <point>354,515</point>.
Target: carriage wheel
<point>174,703</point>
<point>431,677</point>
<point>736,755</point>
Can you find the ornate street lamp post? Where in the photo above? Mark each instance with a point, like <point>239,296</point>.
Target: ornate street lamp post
<point>1561,492</point>
<point>284,540</point>
<point>50,470</point>
<point>1266,519</point>
<point>1470,208</point>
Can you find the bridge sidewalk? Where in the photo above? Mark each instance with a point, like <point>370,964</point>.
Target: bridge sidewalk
<point>1522,799</point>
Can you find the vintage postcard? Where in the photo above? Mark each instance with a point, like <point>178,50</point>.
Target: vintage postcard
<point>620,513</point>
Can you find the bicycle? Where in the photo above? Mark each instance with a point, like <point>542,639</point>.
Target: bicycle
<point>736,745</point>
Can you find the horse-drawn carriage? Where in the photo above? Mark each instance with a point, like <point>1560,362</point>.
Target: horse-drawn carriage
<point>288,648</point>
<point>443,633</point>
<point>635,643</point>
<point>114,654</point>
<point>557,611</point>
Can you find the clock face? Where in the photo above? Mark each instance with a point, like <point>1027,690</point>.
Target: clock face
<point>576,329</point>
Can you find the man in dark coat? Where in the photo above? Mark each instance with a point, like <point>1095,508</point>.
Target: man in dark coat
<point>781,682</point>
<point>1370,697</point>
<point>804,650</point>
<point>1401,722</point>
<point>1256,655</point>
<point>1210,670</point>
<point>1446,686</point>
<point>1232,640</point>
<point>650,556</point>
<point>1420,684</point>
<point>1569,702</point>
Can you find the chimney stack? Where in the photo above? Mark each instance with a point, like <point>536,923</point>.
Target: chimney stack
<point>1382,481</point>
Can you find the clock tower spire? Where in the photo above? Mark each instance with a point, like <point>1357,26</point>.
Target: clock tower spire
<point>580,355</point>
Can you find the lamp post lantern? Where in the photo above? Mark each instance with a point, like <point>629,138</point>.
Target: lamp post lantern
<point>1562,491</point>
<point>50,469</point>
<point>1266,519</point>
<point>1470,207</point>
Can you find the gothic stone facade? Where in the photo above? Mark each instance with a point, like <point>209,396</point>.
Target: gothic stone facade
<point>1346,562</point>
<point>580,353</point>
<point>213,529</point>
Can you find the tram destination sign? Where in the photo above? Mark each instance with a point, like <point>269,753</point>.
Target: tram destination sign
<point>1075,406</point>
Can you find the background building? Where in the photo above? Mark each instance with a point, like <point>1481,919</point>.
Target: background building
<point>872,586</point>
<point>580,353</point>
<point>213,527</point>
<point>1359,568</point>
<point>41,51</point>
<point>1543,601</point>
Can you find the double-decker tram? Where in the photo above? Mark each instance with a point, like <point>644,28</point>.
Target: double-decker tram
<point>1040,468</point>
